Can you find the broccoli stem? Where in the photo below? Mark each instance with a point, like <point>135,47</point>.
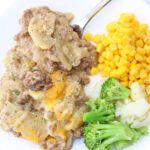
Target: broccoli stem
<point>102,116</point>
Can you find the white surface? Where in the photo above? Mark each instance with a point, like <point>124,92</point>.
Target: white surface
<point>4,5</point>
<point>9,26</point>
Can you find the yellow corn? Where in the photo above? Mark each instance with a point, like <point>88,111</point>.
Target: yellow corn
<point>125,50</point>
<point>148,98</point>
<point>143,74</point>
<point>88,36</point>
<point>96,39</point>
<point>148,89</point>
<point>99,47</point>
<point>126,83</point>
<point>94,70</point>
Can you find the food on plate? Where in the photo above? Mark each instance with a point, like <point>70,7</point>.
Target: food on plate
<point>99,136</point>
<point>112,90</point>
<point>140,116</point>
<point>42,96</point>
<point>124,52</point>
<point>101,110</point>
<point>119,112</point>
<point>93,89</point>
<point>104,129</point>
<point>138,91</point>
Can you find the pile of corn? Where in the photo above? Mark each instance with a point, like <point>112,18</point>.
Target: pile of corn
<point>124,53</point>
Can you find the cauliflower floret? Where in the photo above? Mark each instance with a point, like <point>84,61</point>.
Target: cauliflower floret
<point>93,89</point>
<point>137,91</point>
<point>135,111</point>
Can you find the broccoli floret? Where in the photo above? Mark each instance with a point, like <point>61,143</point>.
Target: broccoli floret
<point>112,90</point>
<point>101,111</point>
<point>138,132</point>
<point>99,136</point>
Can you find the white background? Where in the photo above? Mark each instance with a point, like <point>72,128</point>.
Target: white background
<point>9,26</point>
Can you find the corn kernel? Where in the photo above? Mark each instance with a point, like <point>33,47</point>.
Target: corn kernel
<point>126,84</point>
<point>141,51</point>
<point>130,58</point>
<point>106,72</point>
<point>135,23</point>
<point>139,43</point>
<point>101,60</point>
<point>109,55</point>
<point>147,49</point>
<point>113,73</point>
<point>100,48</point>
<point>87,36</point>
<point>124,77</point>
<point>94,71</point>
<point>133,72</point>
<point>130,82</point>
<point>116,59</point>
<point>113,47</point>
<point>121,70</point>
<point>133,62</point>
<point>126,17</point>
<point>96,39</point>
<point>138,57</point>
<point>143,74</point>
<point>148,90</point>
<point>143,27</point>
<point>112,65</point>
<point>101,66</point>
<point>147,80</point>
<point>141,81</point>
<point>123,62</point>
<point>148,98</point>
<point>132,78</point>
<point>111,27</point>
<point>132,53</point>
<point>148,59</point>
<point>105,42</point>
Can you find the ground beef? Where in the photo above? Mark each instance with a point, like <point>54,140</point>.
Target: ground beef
<point>78,76</point>
<point>80,100</point>
<point>47,44</point>
<point>59,145</point>
<point>17,134</point>
<point>78,133</point>
<point>25,101</point>
<point>36,80</point>
<point>91,60</point>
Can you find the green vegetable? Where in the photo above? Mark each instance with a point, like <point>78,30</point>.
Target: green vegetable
<point>99,136</point>
<point>101,131</point>
<point>112,90</point>
<point>101,110</point>
<point>138,132</point>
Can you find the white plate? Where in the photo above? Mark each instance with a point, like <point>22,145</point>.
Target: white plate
<point>9,26</point>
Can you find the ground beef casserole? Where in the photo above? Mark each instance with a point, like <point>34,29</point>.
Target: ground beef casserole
<point>42,95</point>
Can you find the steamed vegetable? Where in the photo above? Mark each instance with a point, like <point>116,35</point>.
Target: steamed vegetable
<point>99,136</point>
<point>102,131</point>
<point>112,90</point>
<point>134,111</point>
<point>138,91</point>
<point>101,110</point>
<point>137,134</point>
